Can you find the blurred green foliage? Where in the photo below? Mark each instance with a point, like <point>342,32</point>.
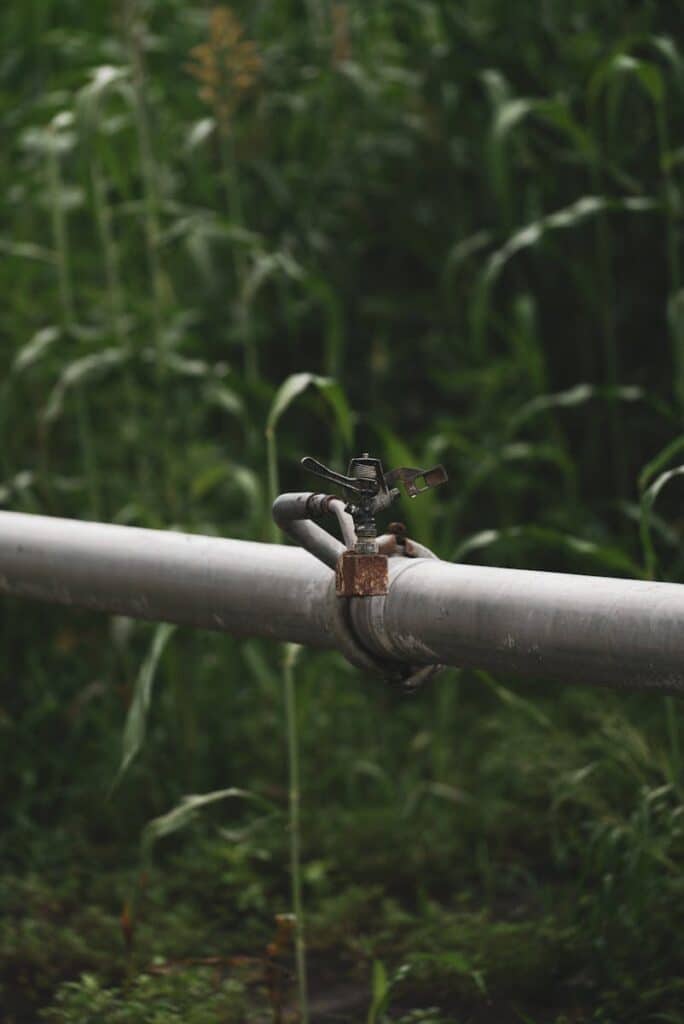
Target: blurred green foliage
<point>459,225</point>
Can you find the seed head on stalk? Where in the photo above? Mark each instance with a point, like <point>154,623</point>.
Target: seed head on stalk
<point>227,66</point>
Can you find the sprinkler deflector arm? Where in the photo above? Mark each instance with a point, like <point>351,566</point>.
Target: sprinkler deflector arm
<point>579,629</point>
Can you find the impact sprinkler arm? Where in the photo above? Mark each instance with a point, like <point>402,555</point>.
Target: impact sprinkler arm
<point>361,568</point>
<point>371,491</point>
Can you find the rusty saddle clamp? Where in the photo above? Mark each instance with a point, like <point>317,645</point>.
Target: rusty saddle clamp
<point>361,564</point>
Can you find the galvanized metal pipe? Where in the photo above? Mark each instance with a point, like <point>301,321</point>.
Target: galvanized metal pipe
<point>555,626</point>
<point>236,586</point>
<point>582,629</point>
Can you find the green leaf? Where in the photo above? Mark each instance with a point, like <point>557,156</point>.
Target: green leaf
<point>659,462</point>
<point>237,477</point>
<point>508,115</point>
<point>621,64</point>
<point>34,349</point>
<point>286,394</point>
<point>247,481</point>
<point>380,992</point>
<point>675,318</point>
<point>288,391</point>
<point>515,701</point>
<point>227,399</point>
<point>648,500</point>
<point>574,396</point>
<point>583,209</point>
<point>336,399</point>
<point>560,220</point>
<point>327,298</point>
<point>185,812</point>
<point>21,482</point>
<point>78,373</point>
<point>266,265</point>
<point>26,251</point>
<point>136,720</point>
<point>198,133</point>
<point>260,668</point>
<point>490,463</point>
<point>461,251</point>
<point>104,81</point>
<point>601,554</point>
<point>209,479</point>
<point>54,140</point>
<point>291,654</point>
<point>558,114</point>
<point>667,48</point>
<point>498,89</point>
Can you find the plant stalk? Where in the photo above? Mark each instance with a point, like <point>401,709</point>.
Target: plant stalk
<point>291,652</point>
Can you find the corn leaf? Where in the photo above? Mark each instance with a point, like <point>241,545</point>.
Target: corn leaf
<point>136,721</point>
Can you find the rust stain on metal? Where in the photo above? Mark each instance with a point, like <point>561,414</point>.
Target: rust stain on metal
<point>417,480</point>
<point>387,545</point>
<point>396,542</point>
<point>392,543</point>
<point>360,575</point>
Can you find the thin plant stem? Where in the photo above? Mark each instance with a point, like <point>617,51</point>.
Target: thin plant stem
<point>103,220</point>
<point>672,244</point>
<point>187,726</point>
<point>317,20</point>
<point>85,434</point>
<point>160,286</point>
<point>672,724</point>
<point>115,295</point>
<point>610,349</point>
<point>273,481</point>
<point>60,239</point>
<point>5,419</point>
<point>61,246</point>
<point>291,652</point>
<point>148,169</point>
<point>673,260</point>
<point>231,176</point>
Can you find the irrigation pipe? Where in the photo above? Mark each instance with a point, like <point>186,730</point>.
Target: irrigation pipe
<point>552,626</point>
